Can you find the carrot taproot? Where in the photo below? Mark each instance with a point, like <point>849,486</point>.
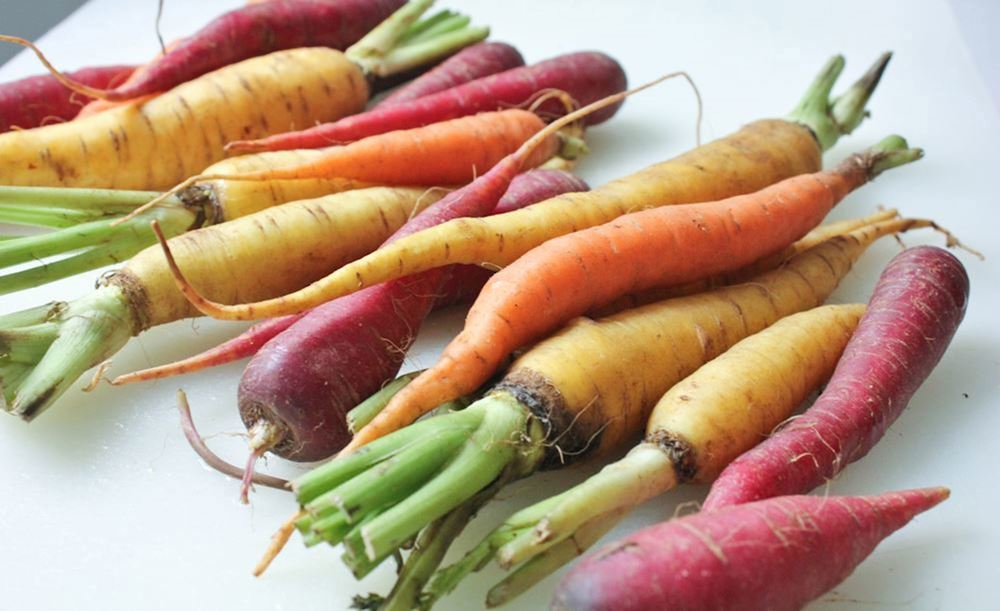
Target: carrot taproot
<point>756,156</point>
<point>297,242</point>
<point>582,392</point>
<point>916,307</point>
<point>692,431</point>
<point>774,554</point>
<point>461,285</point>
<point>41,100</point>
<point>586,77</point>
<point>159,142</point>
<point>572,274</point>
<point>469,64</point>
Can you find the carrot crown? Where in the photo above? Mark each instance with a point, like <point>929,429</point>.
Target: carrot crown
<point>830,118</point>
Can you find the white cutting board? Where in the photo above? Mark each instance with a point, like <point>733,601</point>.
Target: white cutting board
<point>103,505</point>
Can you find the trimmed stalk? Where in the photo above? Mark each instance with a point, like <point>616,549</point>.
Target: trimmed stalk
<point>99,242</point>
<point>418,28</point>
<point>88,331</point>
<point>543,565</point>
<point>436,465</point>
<point>361,415</point>
<point>431,545</point>
<point>830,119</point>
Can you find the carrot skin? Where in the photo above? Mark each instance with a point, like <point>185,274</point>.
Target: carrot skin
<point>336,355</point>
<point>469,64</point>
<point>587,77</point>
<point>257,30</point>
<point>774,554</point>
<point>916,307</point>
<point>39,100</point>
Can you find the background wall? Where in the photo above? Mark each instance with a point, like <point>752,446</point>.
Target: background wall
<point>30,19</point>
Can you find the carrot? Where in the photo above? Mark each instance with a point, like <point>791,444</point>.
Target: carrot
<point>469,64</point>
<point>572,274</point>
<point>586,77</point>
<point>296,242</point>
<point>41,100</point>
<point>451,152</point>
<point>917,305</point>
<point>155,144</point>
<point>692,431</point>
<point>252,31</point>
<point>775,554</point>
<point>295,392</point>
<point>584,391</point>
<point>756,156</point>
<point>462,285</point>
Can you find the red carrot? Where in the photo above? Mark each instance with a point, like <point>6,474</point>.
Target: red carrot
<point>40,100</point>
<point>916,307</point>
<point>774,554</point>
<point>469,64</point>
<point>586,77</point>
<point>260,29</point>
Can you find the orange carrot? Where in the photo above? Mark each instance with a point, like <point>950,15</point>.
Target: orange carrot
<point>575,273</point>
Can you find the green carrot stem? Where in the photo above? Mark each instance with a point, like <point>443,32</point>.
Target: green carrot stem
<point>417,54</point>
<point>97,200</point>
<point>327,477</point>
<point>365,411</point>
<point>90,330</point>
<point>543,565</point>
<point>424,24</point>
<point>43,216</point>
<point>498,442</point>
<point>428,552</point>
<point>397,477</point>
<point>448,578</point>
<point>76,264</point>
<point>11,376</point>
<point>173,220</point>
<point>889,153</point>
<point>443,26</point>
<point>32,316</point>
<point>642,474</point>
<point>828,119</point>
<point>27,345</point>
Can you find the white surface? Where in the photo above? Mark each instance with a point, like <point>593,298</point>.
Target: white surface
<point>103,505</point>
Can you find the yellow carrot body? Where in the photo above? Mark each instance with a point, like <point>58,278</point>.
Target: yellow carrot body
<point>269,252</point>
<point>736,400</point>
<point>155,144</point>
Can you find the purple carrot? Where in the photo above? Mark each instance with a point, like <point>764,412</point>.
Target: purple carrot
<point>469,64</point>
<point>301,384</point>
<point>585,76</point>
<point>774,554</point>
<point>916,307</point>
<point>462,285</point>
<point>258,29</point>
<point>39,100</point>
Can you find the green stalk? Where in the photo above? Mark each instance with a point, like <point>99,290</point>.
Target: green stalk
<point>428,552</point>
<point>450,24</point>
<point>494,445</point>
<point>447,579</point>
<point>437,465</point>
<point>381,53</point>
<point>365,411</point>
<point>830,119</point>
<point>96,200</point>
<point>645,472</point>
<point>43,216</point>
<point>891,152</point>
<point>327,477</point>
<point>104,244</point>
<point>425,24</point>
<point>90,330</point>
<point>543,565</point>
